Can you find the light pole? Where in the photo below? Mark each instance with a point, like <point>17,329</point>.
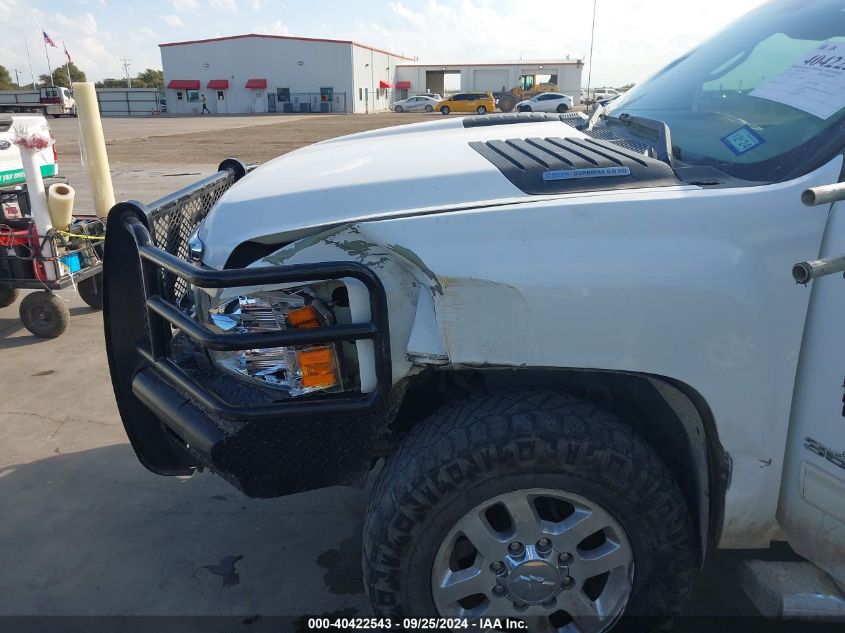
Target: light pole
<point>17,78</point>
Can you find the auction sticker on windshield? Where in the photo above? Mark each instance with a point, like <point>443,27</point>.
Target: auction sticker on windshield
<point>816,84</point>
<point>742,140</point>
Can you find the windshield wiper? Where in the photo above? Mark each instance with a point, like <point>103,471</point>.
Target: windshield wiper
<point>656,132</point>
<point>598,111</point>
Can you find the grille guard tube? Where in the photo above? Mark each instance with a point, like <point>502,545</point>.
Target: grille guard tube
<point>174,421</point>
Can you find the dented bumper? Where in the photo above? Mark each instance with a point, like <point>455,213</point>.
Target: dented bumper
<point>179,411</point>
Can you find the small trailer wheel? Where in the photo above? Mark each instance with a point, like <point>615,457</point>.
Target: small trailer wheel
<point>91,291</point>
<point>8,296</point>
<point>44,314</point>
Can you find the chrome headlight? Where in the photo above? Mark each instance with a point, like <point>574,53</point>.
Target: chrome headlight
<point>296,370</point>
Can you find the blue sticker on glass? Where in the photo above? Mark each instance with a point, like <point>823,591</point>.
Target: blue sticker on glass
<point>742,140</point>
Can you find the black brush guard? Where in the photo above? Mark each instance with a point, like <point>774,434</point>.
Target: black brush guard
<point>176,412</point>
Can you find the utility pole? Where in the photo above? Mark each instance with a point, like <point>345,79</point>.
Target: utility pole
<point>592,39</point>
<point>126,70</point>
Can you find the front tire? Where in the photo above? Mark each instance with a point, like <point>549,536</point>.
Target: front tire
<point>481,110</point>
<point>507,102</point>
<point>562,108</point>
<point>398,109</point>
<point>44,314</point>
<point>444,110</point>
<point>508,486</point>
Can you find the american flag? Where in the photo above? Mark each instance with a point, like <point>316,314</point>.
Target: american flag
<point>47,40</point>
<point>69,60</point>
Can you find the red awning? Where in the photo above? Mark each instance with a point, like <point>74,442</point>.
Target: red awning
<point>218,84</point>
<point>183,84</point>
<point>256,83</point>
<point>384,84</point>
<point>403,85</point>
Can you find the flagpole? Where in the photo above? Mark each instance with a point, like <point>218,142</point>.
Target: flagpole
<point>49,70</point>
<point>31,74</point>
<point>67,66</point>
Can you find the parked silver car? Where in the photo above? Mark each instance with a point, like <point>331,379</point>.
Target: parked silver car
<point>415,104</point>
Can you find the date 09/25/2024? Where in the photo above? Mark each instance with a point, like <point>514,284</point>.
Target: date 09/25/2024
<point>421,624</point>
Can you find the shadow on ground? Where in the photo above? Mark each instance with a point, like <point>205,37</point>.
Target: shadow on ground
<point>92,533</point>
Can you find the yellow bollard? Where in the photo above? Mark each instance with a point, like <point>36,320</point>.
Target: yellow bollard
<point>94,147</point>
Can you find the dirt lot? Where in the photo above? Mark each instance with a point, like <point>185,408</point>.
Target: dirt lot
<point>151,157</point>
<point>256,142</point>
<point>86,530</point>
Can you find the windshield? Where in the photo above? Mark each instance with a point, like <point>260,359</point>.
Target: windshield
<point>758,99</point>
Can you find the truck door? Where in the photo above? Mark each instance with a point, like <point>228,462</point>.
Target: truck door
<point>51,95</point>
<point>812,501</point>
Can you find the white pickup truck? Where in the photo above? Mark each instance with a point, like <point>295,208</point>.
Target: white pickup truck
<point>599,94</point>
<point>576,346</point>
<point>54,101</point>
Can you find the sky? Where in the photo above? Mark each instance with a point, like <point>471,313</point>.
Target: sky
<point>633,38</point>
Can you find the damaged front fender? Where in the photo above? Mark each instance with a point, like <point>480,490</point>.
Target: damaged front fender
<point>409,286</point>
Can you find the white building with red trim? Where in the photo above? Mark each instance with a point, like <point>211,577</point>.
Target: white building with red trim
<point>272,73</point>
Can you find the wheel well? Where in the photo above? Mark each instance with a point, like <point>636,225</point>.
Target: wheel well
<point>669,415</point>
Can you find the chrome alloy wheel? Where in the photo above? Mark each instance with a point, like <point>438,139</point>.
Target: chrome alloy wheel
<point>551,558</point>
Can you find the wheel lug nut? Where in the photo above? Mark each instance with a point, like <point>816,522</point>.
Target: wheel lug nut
<point>499,590</point>
<point>568,582</point>
<point>565,558</point>
<point>498,566</point>
<point>516,548</point>
<point>544,544</point>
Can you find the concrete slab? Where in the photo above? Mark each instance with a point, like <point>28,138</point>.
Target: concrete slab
<point>87,530</point>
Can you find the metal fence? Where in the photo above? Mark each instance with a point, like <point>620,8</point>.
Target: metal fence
<point>301,102</point>
<point>128,101</point>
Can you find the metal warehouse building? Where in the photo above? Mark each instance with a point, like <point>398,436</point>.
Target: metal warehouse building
<point>492,77</point>
<point>272,73</point>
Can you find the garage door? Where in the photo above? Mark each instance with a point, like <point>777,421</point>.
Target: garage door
<point>490,79</point>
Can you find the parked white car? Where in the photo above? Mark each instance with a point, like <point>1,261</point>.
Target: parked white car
<point>546,102</point>
<point>416,104</point>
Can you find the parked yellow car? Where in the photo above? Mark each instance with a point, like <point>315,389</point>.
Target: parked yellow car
<point>480,102</point>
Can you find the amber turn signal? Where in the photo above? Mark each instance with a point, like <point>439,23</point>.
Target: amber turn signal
<point>304,317</point>
<point>317,366</point>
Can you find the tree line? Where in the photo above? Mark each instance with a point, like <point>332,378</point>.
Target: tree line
<point>150,78</point>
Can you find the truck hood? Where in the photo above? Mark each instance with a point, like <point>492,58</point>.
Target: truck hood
<point>380,174</point>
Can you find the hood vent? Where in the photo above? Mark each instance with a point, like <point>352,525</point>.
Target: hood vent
<point>559,165</point>
<point>486,120</point>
